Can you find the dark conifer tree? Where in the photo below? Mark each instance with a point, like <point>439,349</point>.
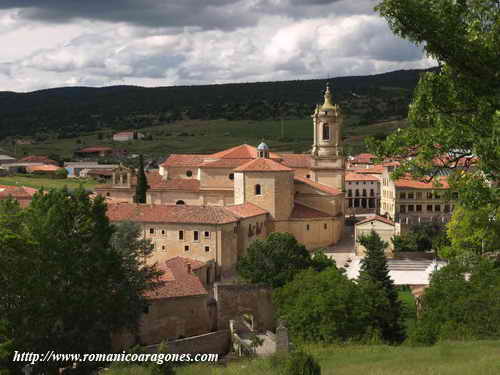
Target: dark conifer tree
<point>142,183</point>
<point>381,294</point>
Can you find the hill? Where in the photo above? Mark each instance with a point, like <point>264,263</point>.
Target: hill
<point>70,111</point>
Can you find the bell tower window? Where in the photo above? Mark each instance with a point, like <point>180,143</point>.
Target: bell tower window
<point>326,132</point>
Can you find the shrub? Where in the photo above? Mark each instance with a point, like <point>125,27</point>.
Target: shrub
<point>300,363</point>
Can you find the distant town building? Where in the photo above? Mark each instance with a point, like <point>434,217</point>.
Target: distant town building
<point>47,169</point>
<point>94,152</point>
<point>22,194</point>
<point>362,193</point>
<point>5,159</point>
<point>92,168</point>
<point>127,136</point>
<point>384,227</point>
<point>38,159</point>
<point>361,161</point>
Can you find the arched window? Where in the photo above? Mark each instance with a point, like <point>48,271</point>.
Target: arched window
<point>364,192</point>
<point>326,132</point>
<point>349,193</point>
<point>357,193</point>
<point>179,202</point>
<point>258,189</point>
<point>189,173</point>
<point>124,178</point>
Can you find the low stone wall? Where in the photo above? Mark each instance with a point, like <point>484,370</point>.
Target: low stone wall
<point>214,342</point>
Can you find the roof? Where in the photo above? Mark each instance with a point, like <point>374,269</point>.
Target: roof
<point>376,217</point>
<point>365,158</point>
<point>100,172</point>
<point>246,210</point>
<point>296,160</point>
<point>95,149</point>
<point>178,280</point>
<point>124,134</point>
<point>243,151</point>
<point>43,168</point>
<point>6,157</point>
<point>409,182</point>
<point>303,212</point>
<point>360,177</point>
<point>225,163</point>
<point>376,169</point>
<point>182,214</point>
<point>184,184</point>
<point>22,194</point>
<point>315,185</point>
<point>183,160</point>
<point>38,159</point>
<point>263,165</point>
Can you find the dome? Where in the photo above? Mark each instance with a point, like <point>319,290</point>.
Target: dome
<point>263,147</point>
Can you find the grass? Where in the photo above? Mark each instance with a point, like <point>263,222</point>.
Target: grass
<point>211,136</point>
<point>47,183</point>
<point>446,358</point>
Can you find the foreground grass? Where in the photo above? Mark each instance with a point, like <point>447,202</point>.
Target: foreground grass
<point>47,183</point>
<point>446,358</point>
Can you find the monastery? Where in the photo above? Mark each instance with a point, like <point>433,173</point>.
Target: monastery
<point>210,208</point>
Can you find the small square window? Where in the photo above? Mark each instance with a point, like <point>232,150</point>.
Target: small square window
<point>419,208</point>
<point>437,207</point>
<point>429,207</point>
<point>163,231</point>
<point>151,230</point>
<point>207,234</point>
<point>207,249</point>
<point>163,247</point>
<point>186,248</point>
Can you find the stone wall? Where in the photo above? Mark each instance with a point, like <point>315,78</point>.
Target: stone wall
<point>234,300</point>
<point>214,342</point>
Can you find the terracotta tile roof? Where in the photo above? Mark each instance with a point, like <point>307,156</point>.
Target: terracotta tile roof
<point>100,172</point>
<point>240,152</point>
<point>38,159</point>
<point>179,282</point>
<point>376,217</point>
<point>296,160</point>
<point>449,161</point>
<point>184,184</point>
<point>184,160</point>
<point>95,149</point>
<point>182,214</point>
<point>376,169</point>
<point>225,163</point>
<point>363,159</point>
<point>303,212</point>
<point>263,165</point>
<point>43,168</point>
<point>321,187</point>
<point>246,210</point>
<point>415,184</point>
<point>360,177</point>
<point>16,191</point>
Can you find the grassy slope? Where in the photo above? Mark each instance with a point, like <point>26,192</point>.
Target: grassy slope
<point>447,358</point>
<point>46,183</point>
<point>212,136</point>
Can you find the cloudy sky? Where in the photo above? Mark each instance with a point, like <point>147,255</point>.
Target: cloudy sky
<point>52,43</point>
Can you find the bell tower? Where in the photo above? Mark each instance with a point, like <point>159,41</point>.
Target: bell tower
<point>328,165</point>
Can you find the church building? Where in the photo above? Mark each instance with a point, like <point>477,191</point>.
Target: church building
<point>211,207</point>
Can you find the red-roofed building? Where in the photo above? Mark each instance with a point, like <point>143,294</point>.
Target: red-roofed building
<point>22,194</point>
<point>94,152</point>
<point>384,227</point>
<point>38,160</point>
<point>127,136</point>
<point>362,161</point>
<point>362,193</point>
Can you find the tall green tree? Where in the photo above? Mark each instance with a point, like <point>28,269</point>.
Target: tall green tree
<point>142,183</point>
<point>277,259</point>
<point>385,308</point>
<point>65,284</point>
<point>455,112</point>
<point>6,349</point>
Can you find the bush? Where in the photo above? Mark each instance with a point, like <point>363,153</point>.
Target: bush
<point>300,363</point>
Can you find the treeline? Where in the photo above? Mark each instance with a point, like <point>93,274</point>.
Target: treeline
<point>67,112</point>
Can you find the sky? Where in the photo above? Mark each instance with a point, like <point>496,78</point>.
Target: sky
<point>54,43</point>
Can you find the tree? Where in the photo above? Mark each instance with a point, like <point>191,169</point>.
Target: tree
<point>300,363</point>
<point>420,237</point>
<point>454,116</point>
<point>142,183</point>
<point>323,307</point>
<point>64,285</point>
<point>472,232</point>
<point>461,303</point>
<point>380,292</point>
<point>274,261</point>
<point>6,348</point>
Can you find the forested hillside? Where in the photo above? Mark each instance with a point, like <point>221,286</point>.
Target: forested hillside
<point>67,112</point>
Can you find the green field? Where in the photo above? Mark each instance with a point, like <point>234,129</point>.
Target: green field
<point>47,183</point>
<point>446,358</point>
<point>199,136</point>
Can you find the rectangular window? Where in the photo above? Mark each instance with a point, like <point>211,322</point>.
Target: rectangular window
<point>411,208</point>
<point>307,227</point>
<point>429,195</point>
<point>163,247</point>
<point>437,195</point>
<point>163,232</point>
<point>151,230</point>
<point>207,234</point>
<point>419,195</point>
<point>195,235</point>
<point>325,226</point>
<point>429,207</point>
<point>437,208</point>
<point>402,195</point>
<point>446,208</point>
<point>402,208</point>
<point>181,235</point>
<point>419,208</point>
<point>207,249</point>
<point>186,248</point>
<point>411,196</point>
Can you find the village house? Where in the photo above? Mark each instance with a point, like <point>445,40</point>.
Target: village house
<point>362,193</point>
<point>127,136</point>
<point>94,152</point>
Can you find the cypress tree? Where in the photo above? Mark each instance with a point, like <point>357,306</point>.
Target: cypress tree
<point>142,183</point>
<point>381,294</point>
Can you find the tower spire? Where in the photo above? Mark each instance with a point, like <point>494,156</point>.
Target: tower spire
<point>328,104</point>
